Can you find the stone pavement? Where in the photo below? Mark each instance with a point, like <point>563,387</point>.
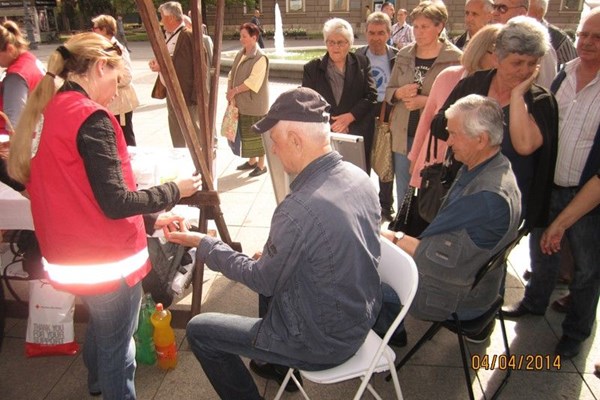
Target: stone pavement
<point>434,373</point>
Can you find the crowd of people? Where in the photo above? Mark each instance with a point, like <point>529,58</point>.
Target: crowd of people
<point>527,137</point>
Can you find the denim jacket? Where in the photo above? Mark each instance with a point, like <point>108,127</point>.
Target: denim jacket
<point>319,265</point>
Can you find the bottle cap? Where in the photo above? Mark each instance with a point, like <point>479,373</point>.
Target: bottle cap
<point>159,307</point>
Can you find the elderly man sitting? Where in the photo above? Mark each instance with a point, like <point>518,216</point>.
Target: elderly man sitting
<point>479,217</point>
<point>318,265</point>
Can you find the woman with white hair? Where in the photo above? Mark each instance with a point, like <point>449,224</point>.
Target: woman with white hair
<point>530,111</point>
<point>344,80</point>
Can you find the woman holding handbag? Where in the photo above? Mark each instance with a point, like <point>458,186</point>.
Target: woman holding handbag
<point>417,65</point>
<point>248,88</point>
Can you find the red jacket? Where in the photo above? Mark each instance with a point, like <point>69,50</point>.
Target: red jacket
<point>83,251</point>
<point>26,66</point>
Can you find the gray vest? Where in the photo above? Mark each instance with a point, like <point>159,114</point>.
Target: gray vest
<point>449,262</point>
<point>248,102</point>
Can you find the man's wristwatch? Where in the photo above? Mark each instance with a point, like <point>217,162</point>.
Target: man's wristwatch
<point>397,237</point>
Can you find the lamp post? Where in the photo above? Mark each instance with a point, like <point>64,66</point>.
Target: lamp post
<point>29,25</point>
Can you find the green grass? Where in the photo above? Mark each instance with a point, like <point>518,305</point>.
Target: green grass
<point>304,55</point>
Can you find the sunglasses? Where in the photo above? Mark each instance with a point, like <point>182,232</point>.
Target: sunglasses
<point>114,48</point>
<point>503,8</point>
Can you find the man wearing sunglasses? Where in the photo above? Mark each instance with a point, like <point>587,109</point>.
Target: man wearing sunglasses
<point>503,10</point>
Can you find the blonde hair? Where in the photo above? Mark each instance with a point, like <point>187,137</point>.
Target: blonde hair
<point>11,34</point>
<point>481,43</point>
<point>75,58</point>
<point>106,22</point>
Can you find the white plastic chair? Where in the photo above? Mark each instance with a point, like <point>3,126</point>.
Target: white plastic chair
<point>398,270</point>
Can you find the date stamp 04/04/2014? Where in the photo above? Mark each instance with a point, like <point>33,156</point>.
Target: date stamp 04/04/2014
<point>521,362</point>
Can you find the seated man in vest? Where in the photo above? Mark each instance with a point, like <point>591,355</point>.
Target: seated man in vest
<point>319,265</point>
<point>479,216</point>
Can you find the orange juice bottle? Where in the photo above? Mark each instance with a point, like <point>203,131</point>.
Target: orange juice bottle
<point>164,338</point>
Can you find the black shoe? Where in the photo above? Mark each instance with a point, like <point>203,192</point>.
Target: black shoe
<point>258,172</point>
<point>567,347</point>
<point>275,372</point>
<point>483,335</point>
<point>245,166</point>
<point>95,394</point>
<point>518,310</point>
<point>398,339</point>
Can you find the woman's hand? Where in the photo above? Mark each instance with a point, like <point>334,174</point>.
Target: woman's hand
<point>188,186</point>
<point>341,123</point>
<point>169,219</point>
<point>415,103</point>
<point>406,91</point>
<point>231,94</point>
<point>524,86</point>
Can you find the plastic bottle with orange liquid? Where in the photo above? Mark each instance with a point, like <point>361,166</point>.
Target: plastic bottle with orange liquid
<point>164,338</point>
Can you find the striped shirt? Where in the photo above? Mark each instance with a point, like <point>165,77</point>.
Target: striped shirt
<point>578,122</point>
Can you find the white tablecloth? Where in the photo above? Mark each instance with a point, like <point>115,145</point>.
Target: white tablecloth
<point>151,166</point>
<point>15,210</point>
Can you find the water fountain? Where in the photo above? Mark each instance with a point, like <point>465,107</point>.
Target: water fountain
<point>279,45</point>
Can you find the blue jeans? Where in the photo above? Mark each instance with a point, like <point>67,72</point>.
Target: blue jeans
<point>218,341</point>
<point>401,167</point>
<point>584,238</point>
<point>109,349</point>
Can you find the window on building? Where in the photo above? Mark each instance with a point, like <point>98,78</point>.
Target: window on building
<point>339,5</point>
<point>294,6</point>
<point>571,5</point>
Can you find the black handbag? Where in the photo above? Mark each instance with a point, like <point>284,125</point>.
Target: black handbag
<point>407,218</point>
<point>436,180</point>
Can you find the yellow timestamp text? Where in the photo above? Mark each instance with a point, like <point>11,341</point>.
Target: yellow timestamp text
<point>521,362</point>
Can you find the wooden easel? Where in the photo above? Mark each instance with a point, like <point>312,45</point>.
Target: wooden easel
<point>200,146</point>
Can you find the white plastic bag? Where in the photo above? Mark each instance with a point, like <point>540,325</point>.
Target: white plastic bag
<point>50,323</point>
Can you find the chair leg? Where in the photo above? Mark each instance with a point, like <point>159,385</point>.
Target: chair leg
<point>435,327</point>
<point>284,383</point>
<point>463,353</point>
<point>507,350</point>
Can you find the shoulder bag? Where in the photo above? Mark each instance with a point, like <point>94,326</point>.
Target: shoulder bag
<point>381,154</point>
<point>436,180</point>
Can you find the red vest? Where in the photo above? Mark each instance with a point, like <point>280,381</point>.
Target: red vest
<point>84,251</point>
<point>28,68</point>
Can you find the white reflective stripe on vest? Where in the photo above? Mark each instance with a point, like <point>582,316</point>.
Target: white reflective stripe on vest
<point>95,273</point>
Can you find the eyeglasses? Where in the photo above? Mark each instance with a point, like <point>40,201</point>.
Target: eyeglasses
<point>589,35</point>
<point>503,8</point>
<point>333,43</point>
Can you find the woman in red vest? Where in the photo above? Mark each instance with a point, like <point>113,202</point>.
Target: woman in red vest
<point>23,72</point>
<point>70,152</point>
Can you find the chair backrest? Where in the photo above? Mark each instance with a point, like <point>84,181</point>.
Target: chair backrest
<point>499,258</point>
<point>398,269</point>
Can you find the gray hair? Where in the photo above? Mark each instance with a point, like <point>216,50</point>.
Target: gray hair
<point>522,35</point>
<point>379,17</point>
<point>172,8</point>
<point>543,4</point>
<point>479,115</point>
<point>315,131</point>
<point>341,26</point>
<point>487,4</point>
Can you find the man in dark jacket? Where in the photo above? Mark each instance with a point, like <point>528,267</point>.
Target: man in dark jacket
<point>180,45</point>
<point>318,266</point>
